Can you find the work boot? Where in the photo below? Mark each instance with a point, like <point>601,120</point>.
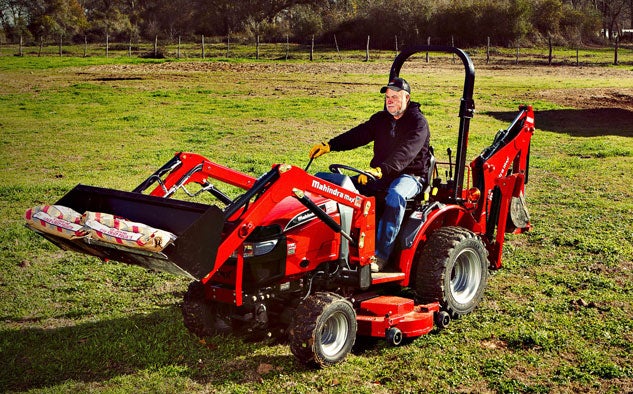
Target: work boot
<point>378,264</point>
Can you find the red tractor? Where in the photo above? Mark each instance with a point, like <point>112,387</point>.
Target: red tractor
<point>291,255</point>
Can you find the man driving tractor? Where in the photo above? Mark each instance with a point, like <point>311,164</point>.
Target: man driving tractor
<point>401,136</point>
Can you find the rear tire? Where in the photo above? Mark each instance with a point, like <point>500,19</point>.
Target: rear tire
<point>323,330</point>
<point>452,269</point>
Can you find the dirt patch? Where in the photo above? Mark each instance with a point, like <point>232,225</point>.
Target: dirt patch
<point>590,98</point>
<point>576,98</point>
<point>594,99</point>
<point>263,68</point>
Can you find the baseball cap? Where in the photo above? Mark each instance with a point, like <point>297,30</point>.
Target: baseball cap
<point>397,84</point>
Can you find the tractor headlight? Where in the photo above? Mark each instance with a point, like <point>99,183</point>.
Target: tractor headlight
<point>252,249</point>
<point>262,241</point>
<point>264,254</point>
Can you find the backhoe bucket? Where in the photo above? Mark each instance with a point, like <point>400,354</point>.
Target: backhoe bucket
<point>197,227</point>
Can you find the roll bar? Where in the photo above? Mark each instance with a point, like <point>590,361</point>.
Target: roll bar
<point>466,108</point>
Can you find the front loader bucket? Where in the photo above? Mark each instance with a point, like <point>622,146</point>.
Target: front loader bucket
<point>197,227</point>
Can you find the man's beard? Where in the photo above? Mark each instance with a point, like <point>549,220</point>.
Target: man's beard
<point>403,108</point>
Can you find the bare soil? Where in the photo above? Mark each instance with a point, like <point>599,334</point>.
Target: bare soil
<point>582,98</point>
<point>588,98</point>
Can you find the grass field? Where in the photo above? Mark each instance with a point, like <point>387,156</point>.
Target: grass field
<point>557,318</point>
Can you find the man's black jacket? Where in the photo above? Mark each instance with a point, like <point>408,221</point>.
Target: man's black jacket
<point>400,146</point>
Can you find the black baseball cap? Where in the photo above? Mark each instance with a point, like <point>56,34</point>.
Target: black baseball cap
<point>397,84</point>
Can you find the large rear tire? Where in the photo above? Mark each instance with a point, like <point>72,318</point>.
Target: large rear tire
<point>452,269</point>
<point>323,330</point>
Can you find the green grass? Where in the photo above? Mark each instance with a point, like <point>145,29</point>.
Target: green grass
<point>216,49</point>
<point>556,318</point>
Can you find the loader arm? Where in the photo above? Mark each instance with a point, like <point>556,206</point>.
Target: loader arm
<point>185,168</point>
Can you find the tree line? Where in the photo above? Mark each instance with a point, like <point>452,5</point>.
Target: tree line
<point>462,22</point>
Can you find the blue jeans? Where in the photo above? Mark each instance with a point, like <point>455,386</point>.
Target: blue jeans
<point>397,193</point>
<point>402,188</point>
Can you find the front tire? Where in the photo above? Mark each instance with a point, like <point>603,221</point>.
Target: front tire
<point>323,330</point>
<point>452,269</point>
<point>200,316</point>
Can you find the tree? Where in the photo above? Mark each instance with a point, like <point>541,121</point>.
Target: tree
<point>15,18</point>
<point>56,17</point>
<point>170,18</point>
<point>579,26</point>
<point>547,16</point>
<point>108,17</point>
<point>612,16</point>
<point>223,16</point>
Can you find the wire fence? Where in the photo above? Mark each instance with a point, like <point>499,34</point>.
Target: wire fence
<point>223,48</point>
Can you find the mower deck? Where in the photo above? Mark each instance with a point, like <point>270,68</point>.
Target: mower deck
<point>395,318</point>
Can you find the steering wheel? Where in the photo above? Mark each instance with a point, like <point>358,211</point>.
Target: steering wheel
<point>336,168</point>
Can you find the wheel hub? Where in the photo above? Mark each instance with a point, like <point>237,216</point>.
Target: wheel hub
<point>465,276</point>
<point>334,334</point>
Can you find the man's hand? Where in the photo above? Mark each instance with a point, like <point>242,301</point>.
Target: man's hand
<point>376,172</point>
<point>319,150</point>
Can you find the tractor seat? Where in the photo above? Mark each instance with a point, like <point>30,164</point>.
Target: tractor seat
<point>426,184</point>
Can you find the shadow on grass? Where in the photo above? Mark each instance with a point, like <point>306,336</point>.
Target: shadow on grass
<point>580,122</point>
<point>35,358</point>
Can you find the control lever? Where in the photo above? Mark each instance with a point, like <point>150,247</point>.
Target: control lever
<point>450,163</point>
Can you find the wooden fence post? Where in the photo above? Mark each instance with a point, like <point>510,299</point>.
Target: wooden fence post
<point>203,46</point>
<point>516,61</point>
<point>428,42</point>
<point>312,48</point>
<point>61,39</point>
<point>20,52</point>
<point>615,53</point>
<point>488,51</point>
<point>85,45</point>
<point>257,48</point>
<point>39,53</point>
<point>396,44</point>
<point>107,45</point>
<point>337,51</point>
<point>549,58</point>
<point>156,46</point>
<point>228,43</point>
<point>367,50</point>
<point>287,45</point>
<point>178,51</point>
<point>129,47</point>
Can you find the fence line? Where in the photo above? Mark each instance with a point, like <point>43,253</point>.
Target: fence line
<point>228,47</point>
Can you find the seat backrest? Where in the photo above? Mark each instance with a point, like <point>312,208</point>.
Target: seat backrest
<point>431,173</point>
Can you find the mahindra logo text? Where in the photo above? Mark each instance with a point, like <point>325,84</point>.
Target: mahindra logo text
<point>335,192</point>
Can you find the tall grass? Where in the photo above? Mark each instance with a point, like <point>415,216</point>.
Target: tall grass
<point>556,318</point>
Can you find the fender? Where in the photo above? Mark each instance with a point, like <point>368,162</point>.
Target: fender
<point>423,222</point>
